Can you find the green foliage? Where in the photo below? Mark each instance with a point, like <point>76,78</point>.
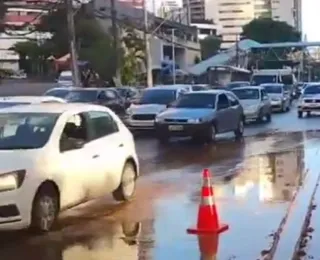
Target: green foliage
<point>197,60</point>
<point>100,55</point>
<point>209,46</point>
<point>266,30</point>
<point>133,47</point>
<point>94,45</point>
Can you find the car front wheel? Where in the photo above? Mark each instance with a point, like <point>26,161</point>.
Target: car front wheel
<point>127,187</point>
<point>45,209</point>
<point>240,129</point>
<point>211,133</point>
<point>299,114</point>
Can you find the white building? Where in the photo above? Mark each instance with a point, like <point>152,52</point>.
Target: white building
<point>206,29</point>
<point>232,15</point>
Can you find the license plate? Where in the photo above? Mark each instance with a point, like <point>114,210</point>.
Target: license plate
<point>175,127</point>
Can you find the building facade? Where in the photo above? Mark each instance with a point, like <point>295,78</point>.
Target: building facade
<point>232,15</point>
<point>206,29</point>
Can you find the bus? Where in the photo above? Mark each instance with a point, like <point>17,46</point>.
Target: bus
<point>222,75</point>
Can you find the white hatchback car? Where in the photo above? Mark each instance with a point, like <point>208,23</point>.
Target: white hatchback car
<point>55,156</point>
<point>9,101</point>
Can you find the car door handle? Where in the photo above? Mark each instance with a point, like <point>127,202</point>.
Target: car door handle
<point>120,145</point>
<point>95,156</point>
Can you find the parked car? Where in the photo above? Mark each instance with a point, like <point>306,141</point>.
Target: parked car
<point>198,87</point>
<point>20,74</point>
<point>59,155</point>
<point>108,97</point>
<point>279,95</point>
<point>10,101</point>
<point>255,102</point>
<point>65,79</point>
<point>141,114</point>
<point>60,92</point>
<point>237,84</point>
<point>309,100</point>
<point>129,94</point>
<point>201,115</point>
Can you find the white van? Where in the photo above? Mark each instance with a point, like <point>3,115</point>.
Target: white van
<point>65,79</point>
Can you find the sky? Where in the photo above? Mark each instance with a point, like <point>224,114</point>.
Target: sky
<point>311,19</point>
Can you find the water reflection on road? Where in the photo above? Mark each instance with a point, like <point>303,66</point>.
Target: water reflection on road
<point>255,183</point>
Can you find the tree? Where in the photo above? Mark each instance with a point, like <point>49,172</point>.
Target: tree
<point>100,55</point>
<point>197,60</point>
<point>133,55</point>
<point>266,30</point>
<point>32,56</point>
<point>209,46</point>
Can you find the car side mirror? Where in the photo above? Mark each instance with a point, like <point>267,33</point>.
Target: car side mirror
<point>265,98</point>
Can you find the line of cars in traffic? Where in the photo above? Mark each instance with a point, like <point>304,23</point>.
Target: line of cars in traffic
<point>48,146</point>
<point>198,111</point>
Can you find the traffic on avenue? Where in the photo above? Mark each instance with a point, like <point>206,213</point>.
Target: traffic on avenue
<point>124,173</point>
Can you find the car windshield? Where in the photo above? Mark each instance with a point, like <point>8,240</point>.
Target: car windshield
<point>311,90</point>
<point>246,93</point>
<point>60,93</point>
<point>82,96</point>
<point>11,104</point>
<point>199,100</point>
<point>262,79</point>
<point>158,96</point>
<point>65,78</point>
<point>123,92</point>
<point>199,88</point>
<point>273,89</point>
<point>237,85</point>
<point>25,130</point>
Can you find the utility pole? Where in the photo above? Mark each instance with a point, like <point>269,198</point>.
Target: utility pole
<point>147,46</point>
<point>237,51</point>
<point>188,12</point>
<point>173,58</point>
<point>115,37</point>
<point>72,43</point>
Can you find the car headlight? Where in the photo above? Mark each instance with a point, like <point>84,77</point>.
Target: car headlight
<point>129,112</point>
<point>195,120</point>
<point>12,180</point>
<point>158,119</point>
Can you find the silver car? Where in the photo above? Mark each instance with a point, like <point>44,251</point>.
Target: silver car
<point>201,115</point>
<point>309,100</point>
<point>141,114</point>
<point>255,102</point>
<point>279,95</point>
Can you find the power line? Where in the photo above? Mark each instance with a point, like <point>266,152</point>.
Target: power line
<point>127,22</point>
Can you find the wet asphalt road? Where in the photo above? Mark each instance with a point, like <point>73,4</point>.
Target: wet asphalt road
<point>265,186</point>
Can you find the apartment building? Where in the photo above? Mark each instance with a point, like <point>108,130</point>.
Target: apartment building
<point>288,11</point>
<point>232,15</point>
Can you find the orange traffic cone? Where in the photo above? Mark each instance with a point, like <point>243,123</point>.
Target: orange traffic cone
<point>208,219</point>
<point>208,246</point>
